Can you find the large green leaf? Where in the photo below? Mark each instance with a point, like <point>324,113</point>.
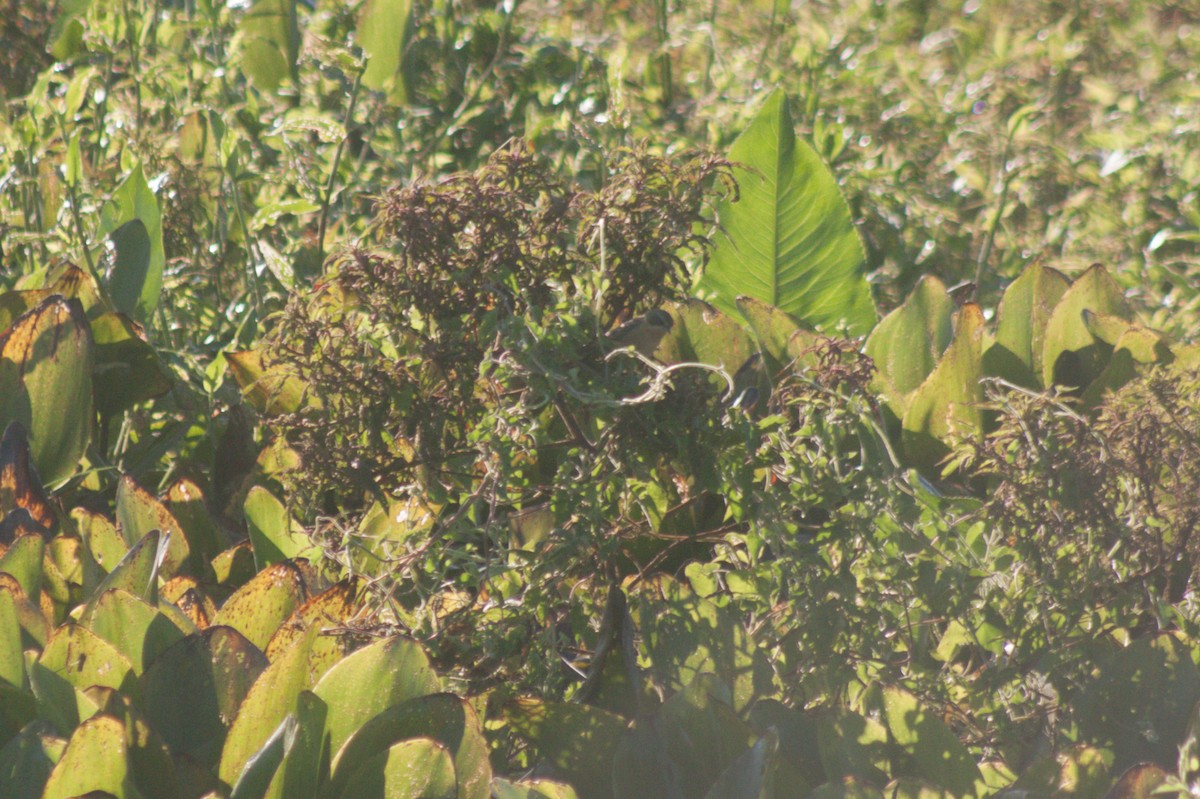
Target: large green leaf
<point>12,665</point>
<point>1025,310</point>
<point>445,718</point>
<point>83,659</point>
<point>299,775</point>
<point>948,402</point>
<point>907,344</point>
<point>23,560</point>
<point>254,779</point>
<point>128,370</point>
<point>46,362</point>
<point>274,534</point>
<point>384,32</point>
<point>139,512</point>
<point>789,240</point>
<point>137,572</point>
<point>269,701</point>
<point>134,222</point>
<point>191,692</point>
<point>531,789</point>
<point>1071,355</point>
<point>258,608</point>
<point>96,759</point>
<point>419,768</point>
<point>139,631</point>
<point>372,679</point>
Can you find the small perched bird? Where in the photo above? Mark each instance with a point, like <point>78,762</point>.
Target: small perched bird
<point>644,332</point>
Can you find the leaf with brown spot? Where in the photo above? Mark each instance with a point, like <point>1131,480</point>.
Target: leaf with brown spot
<point>103,545</point>
<point>46,362</point>
<point>83,658</point>
<point>34,623</point>
<point>206,539</point>
<point>258,608</point>
<point>24,560</point>
<point>191,693</point>
<point>139,512</point>
<point>17,524</point>
<point>330,608</point>
<point>20,486</point>
<point>197,607</point>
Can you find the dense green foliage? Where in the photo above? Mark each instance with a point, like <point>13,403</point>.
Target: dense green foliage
<point>435,398</point>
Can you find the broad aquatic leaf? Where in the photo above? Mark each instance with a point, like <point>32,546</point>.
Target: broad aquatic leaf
<point>190,694</point>
<point>24,560</point>
<point>103,544</point>
<point>371,680</point>
<point>82,658</point>
<point>138,630</point>
<point>1071,355</point>
<point>139,512</point>
<point>269,701</point>
<point>20,486</point>
<point>137,572</point>
<point>531,789</point>
<point>258,608</point>
<point>12,664</point>
<point>35,626</point>
<point>205,538</point>
<point>780,339</point>
<point>789,240</point>
<point>255,777</point>
<point>1024,313</point>
<point>948,402</point>
<point>96,759</point>
<point>18,708</point>
<point>1135,350</point>
<point>46,362</point>
<point>330,608</point>
<point>908,342</point>
<point>274,534</point>
<point>415,769</point>
<point>28,758</point>
<point>299,775</point>
<point>703,334</point>
<point>150,762</point>
<point>444,718</point>
<point>134,221</point>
